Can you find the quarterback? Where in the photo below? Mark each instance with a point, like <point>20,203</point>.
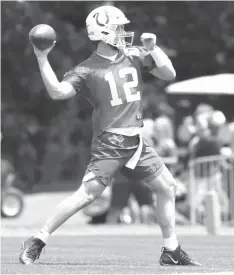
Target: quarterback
<point>111,80</point>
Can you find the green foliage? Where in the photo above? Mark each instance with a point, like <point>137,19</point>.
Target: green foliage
<point>47,139</point>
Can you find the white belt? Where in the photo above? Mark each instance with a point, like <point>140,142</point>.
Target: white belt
<point>135,158</point>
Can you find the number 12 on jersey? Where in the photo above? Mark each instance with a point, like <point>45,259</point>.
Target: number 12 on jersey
<point>127,86</point>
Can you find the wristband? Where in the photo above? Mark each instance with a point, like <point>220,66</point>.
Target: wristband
<point>159,57</point>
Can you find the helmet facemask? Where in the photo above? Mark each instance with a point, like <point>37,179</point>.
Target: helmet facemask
<point>122,38</point>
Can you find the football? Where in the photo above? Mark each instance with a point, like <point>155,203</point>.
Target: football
<point>42,36</point>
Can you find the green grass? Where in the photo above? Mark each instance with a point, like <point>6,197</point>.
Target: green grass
<point>118,254</point>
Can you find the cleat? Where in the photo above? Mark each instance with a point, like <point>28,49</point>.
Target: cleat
<point>176,257</point>
<point>31,250</point>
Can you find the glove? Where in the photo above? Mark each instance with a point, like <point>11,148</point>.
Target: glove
<point>149,41</point>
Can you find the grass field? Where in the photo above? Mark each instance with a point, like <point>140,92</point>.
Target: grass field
<point>113,254</point>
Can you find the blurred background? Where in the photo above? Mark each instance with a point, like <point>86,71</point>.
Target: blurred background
<point>45,144</point>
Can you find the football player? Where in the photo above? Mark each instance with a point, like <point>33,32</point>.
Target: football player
<point>112,76</point>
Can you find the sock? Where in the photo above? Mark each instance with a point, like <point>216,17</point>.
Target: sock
<point>171,243</point>
<point>43,236</point>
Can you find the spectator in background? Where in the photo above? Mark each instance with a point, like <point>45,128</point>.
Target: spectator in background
<point>131,201</point>
<point>226,137</point>
<point>231,127</point>
<point>201,125</point>
<point>186,130</point>
<point>203,109</point>
<point>201,136</point>
<point>136,202</point>
<point>216,122</point>
<point>163,136</point>
<point>166,114</point>
<point>190,130</point>
<point>221,130</point>
<point>207,143</point>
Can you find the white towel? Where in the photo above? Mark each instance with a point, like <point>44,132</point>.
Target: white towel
<point>135,158</point>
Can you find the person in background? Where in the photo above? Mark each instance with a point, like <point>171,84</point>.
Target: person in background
<point>201,117</point>
<point>231,127</point>
<point>202,132</point>
<point>221,130</point>
<point>186,130</point>
<point>134,201</point>
<point>165,145</point>
<point>208,176</point>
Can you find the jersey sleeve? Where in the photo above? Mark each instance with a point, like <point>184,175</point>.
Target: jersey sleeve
<point>77,78</point>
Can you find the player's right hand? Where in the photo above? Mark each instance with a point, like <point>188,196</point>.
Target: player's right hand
<point>43,53</point>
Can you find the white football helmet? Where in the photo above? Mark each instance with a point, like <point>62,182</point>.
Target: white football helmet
<point>106,23</point>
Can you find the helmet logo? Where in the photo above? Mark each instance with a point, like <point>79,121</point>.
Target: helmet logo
<point>107,19</point>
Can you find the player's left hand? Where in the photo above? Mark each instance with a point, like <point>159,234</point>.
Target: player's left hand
<point>148,40</point>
